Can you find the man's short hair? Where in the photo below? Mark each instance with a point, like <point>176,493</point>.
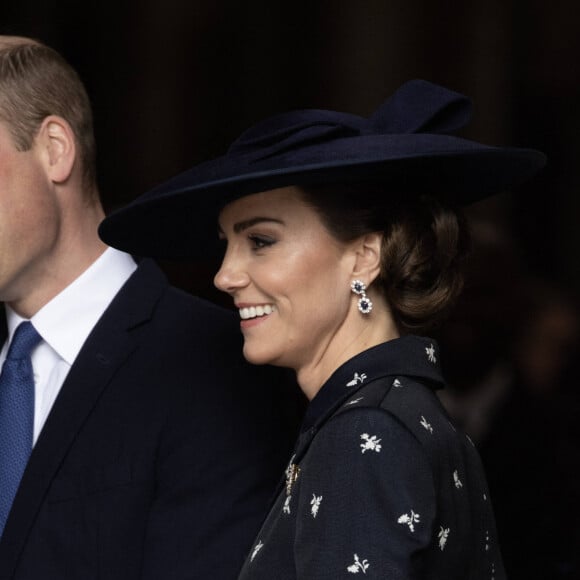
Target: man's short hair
<point>35,82</point>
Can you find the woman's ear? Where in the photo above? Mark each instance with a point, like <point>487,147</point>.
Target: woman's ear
<point>368,257</point>
<point>56,143</point>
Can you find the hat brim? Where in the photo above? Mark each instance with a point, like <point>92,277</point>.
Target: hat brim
<point>178,219</point>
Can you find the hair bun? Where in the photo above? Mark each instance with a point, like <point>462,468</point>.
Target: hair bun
<point>423,250</point>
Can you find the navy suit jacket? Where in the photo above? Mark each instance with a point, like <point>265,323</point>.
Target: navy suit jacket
<point>160,453</point>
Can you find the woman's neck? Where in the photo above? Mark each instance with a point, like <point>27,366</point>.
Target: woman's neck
<point>349,341</point>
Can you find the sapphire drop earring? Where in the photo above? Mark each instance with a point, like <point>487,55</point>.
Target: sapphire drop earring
<point>364,302</point>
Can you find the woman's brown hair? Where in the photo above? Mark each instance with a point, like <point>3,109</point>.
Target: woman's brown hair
<point>424,245</point>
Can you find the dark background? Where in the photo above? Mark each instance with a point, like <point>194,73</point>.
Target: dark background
<point>173,82</point>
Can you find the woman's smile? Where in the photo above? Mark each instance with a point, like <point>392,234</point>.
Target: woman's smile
<point>252,315</point>
<point>247,312</point>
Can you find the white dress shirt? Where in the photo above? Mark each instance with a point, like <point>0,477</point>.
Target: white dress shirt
<point>64,324</point>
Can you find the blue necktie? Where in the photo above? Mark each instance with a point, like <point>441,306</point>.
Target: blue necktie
<point>16,415</point>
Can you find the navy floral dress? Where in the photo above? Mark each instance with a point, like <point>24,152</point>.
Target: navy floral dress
<point>381,484</point>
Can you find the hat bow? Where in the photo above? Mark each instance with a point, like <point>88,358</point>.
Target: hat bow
<point>417,107</point>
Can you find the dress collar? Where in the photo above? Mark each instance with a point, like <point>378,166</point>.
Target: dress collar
<point>410,356</point>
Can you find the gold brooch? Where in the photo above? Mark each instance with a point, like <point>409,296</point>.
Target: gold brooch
<point>292,473</point>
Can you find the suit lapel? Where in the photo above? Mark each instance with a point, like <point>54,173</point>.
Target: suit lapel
<point>104,352</point>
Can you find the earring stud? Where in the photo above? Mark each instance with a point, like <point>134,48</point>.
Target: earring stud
<point>365,304</point>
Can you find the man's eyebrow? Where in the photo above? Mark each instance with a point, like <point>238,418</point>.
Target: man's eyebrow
<point>244,225</point>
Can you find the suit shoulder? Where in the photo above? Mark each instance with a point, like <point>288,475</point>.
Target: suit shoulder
<point>180,300</point>
<point>203,319</point>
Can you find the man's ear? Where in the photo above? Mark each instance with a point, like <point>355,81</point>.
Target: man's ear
<point>56,143</point>
<point>368,257</point>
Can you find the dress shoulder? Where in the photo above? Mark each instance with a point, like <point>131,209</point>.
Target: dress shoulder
<point>416,407</point>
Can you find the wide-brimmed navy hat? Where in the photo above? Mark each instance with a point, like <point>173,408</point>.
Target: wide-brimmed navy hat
<point>405,145</point>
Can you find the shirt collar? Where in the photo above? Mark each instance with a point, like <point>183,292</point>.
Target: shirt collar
<point>67,320</point>
<point>410,356</point>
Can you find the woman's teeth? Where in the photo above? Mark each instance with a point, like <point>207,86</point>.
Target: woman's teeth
<point>254,311</point>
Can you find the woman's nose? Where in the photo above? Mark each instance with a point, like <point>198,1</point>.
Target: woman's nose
<point>231,276</point>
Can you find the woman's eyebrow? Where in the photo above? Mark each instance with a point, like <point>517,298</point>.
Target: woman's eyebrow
<point>244,225</point>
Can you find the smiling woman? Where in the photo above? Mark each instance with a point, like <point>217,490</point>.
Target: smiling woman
<point>339,246</point>
<point>288,261</point>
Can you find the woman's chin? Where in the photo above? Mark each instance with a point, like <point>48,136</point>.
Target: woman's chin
<point>258,356</point>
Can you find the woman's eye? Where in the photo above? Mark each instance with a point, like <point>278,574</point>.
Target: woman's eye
<point>259,242</point>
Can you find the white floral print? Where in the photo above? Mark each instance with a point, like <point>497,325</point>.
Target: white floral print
<point>457,481</point>
<point>443,535</point>
<point>356,380</point>
<point>315,503</point>
<point>257,548</point>
<point>372,443</point>
<point>430,350</point>
<point>358,566</point>
<point>397,383</point>
<point>355,401</point>
<point>286,508</point>
<point>410,519</point>
<point>426,425</point>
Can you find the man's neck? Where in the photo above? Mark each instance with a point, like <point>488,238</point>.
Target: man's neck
<point>76,249</point>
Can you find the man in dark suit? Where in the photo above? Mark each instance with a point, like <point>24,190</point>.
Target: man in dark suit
<point>153,448</point>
